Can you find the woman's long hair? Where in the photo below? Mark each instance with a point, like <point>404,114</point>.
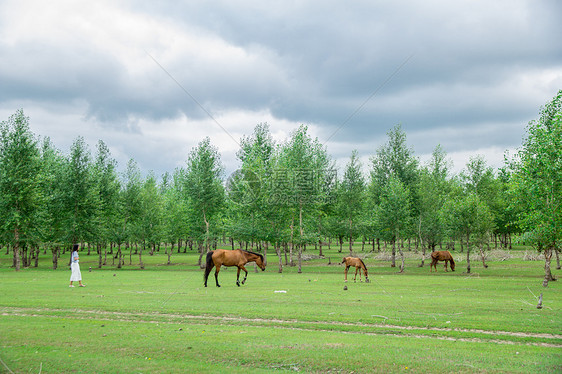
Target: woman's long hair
<point>75,247</point>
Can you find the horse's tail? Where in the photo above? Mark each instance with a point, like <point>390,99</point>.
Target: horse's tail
<point>208,265</point>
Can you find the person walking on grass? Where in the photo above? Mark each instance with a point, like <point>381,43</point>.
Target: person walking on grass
<point>75,267</point>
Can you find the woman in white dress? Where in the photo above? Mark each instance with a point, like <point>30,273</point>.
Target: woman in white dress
<point>75,267</point>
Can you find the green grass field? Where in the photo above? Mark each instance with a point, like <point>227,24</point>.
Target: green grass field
<point>161,319</point>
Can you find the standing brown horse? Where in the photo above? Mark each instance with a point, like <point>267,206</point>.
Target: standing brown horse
<point>441,256</point>
<point>359,264</point>
<point>237,257</point>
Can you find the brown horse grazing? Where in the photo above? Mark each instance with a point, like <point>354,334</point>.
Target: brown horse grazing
<point>225,257</point>
<point>441,256</point>
<point>359,264</point>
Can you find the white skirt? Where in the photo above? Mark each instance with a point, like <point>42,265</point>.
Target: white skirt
<point>76,275</point>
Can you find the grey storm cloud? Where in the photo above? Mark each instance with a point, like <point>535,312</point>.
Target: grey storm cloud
<point>465,74</point>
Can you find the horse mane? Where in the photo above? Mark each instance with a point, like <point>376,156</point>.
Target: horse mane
<point>254,253</point>
<point>363,263</point>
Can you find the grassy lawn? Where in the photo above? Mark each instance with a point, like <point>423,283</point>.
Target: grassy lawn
<point>162,319</point>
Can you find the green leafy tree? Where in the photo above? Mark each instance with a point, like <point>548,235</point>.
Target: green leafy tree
<point>204,187</point>
<point>107,187</point>
<point>478,178</point>
<point>394,160</point>
<point>151,216</point>
<point>303,165</point>
<point>468,218</point>
<point>249,204</point>
<point>20,172</point>
<point>54,166</point>
<point>351,198</point>
<point>432,190</point>
<point>130,209</point>
<point>394,213</point>
<point>175,210</point>
<point>536,182</point>
<point>79,194</point>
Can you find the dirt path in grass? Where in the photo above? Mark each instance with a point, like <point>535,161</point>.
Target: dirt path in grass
<point>296,324</point>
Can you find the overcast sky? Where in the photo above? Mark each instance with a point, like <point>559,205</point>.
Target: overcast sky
<point>153,78</point>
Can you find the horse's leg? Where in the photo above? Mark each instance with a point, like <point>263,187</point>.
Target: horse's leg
<point>217,275</point>
<point>346,268</point>
<point>238,277</point>
<point>245,275</point>
<point>355,277</point>
<point>446,265</point>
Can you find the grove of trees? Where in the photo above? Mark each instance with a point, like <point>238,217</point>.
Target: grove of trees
<point>287,196</point>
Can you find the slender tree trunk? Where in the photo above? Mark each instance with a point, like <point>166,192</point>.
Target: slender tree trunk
<point>99,256</point>
<point>467,254</point>
<point>265,245</point>
<point>393,265</point>
<point>118,255</point>
<point>37,250</point>
<point>141,264</point>
<point>483,256</point>
<point>16,250</point>
<point>291,243</point>
<point>55,251</point>
<point>400,246</point>
<point>547,273</point>
<point>421,243</point>
<point>557,251</point>
<point>278,251</point>
<point>201,251</point>
<point>320,237</point>
<point>350,239</point>
<point>299,258</point>
<point>301,232</point>
<point>206,235</point>
<point>170,253</point>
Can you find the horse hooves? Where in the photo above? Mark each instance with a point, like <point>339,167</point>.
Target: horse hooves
<point>238,284</point>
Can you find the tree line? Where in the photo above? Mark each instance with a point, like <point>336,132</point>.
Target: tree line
<point>288,197</point>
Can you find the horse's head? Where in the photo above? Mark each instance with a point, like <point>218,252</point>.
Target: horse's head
<point>259,262</point>
<point>343,261</point>
<point>452,265</point>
